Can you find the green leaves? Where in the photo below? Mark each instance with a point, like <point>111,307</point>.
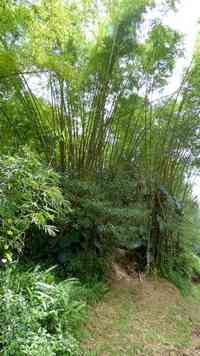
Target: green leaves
<point>38,315</point>
<point>96,116</point>
<point>13,21</point>
<point>54,32</point>
<point>96,71</point>
<point>160,52</point>
<point>29,196</point>
<point>108,212</point>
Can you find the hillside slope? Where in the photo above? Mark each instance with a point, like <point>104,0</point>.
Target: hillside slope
<point>143,317</point>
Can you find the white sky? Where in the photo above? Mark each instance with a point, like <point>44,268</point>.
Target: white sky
<point>185,20</point>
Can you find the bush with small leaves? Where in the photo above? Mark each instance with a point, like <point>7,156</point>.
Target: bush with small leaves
<point>37,315</point>
<point>30,197</point>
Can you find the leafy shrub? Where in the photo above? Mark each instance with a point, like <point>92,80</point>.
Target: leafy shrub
<point>105,213</point>
<point>180,262</point>
<point>180,268</point>
<point>119,210</point>
<point>86,267</point>
<point>38,316</point>
<point>30,196</point>
<point>108,211</point>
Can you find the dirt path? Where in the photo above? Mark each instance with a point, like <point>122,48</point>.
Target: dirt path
<point>147,317</point>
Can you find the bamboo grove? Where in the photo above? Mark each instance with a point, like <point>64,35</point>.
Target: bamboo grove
<point>101,108</point>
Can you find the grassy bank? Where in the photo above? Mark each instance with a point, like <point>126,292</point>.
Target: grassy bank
<point>147,318</point>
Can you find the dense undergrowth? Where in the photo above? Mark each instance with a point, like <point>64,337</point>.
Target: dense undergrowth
<point>41,312</point>
<point>90,162</point>
<point>104,164</point>
<point>37,315</point>
<point>77,222</point>
<point>77,225</point>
